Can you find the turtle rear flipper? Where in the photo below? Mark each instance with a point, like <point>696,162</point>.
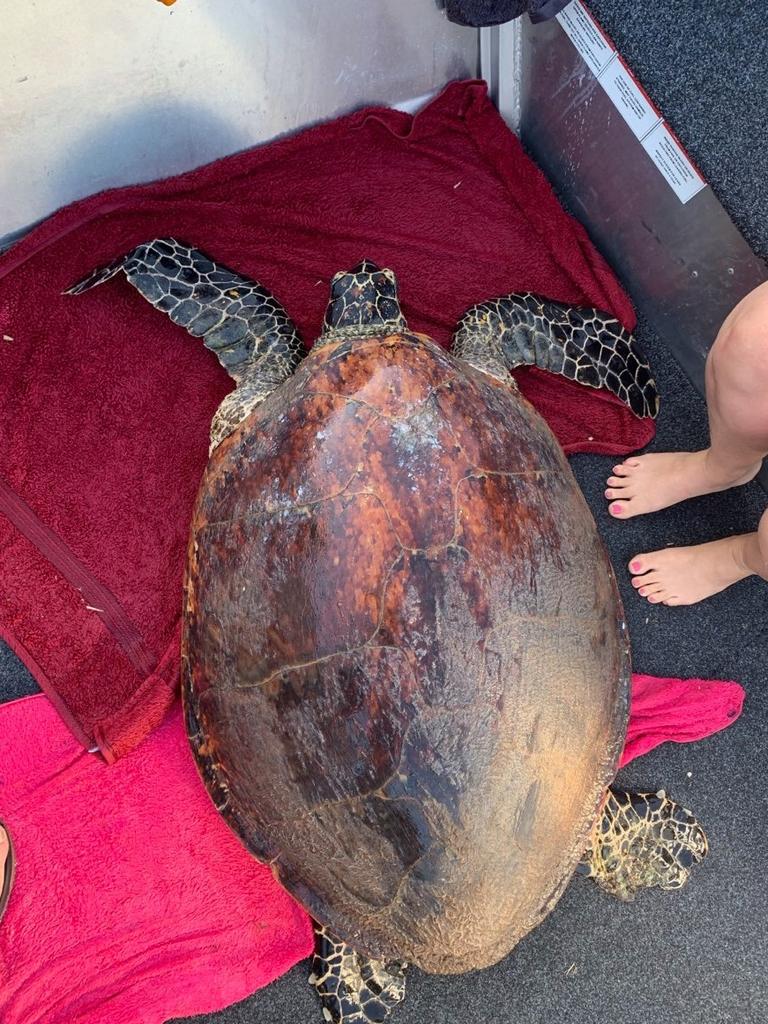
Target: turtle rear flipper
<point>579,343</point>
<point>641,841</point>
<point>99,276</point>
<point>239,320</point>
<point>353,988</point>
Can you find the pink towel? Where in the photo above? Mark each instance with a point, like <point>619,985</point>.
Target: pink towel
<point>133,901</point>
<point>678,710</point>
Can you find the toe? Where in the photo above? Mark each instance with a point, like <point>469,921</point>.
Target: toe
<point>617,481</point>
<point>620,492</point>
<point>645,580</point>
<point>619,510</point>
<point>639,564</point>
<point>625,467</point>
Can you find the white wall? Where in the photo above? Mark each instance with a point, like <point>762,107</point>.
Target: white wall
<point>96,93</point>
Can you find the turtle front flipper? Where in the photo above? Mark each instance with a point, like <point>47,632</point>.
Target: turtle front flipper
<point>582,344</point>
<point>353,988</point>
<point>641,841</point>
<point>239,320</point>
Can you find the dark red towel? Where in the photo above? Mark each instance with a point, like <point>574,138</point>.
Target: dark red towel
<point>106,404</point>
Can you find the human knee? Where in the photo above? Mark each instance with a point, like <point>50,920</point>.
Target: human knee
<point>741,348</point>
<point>737,381</point>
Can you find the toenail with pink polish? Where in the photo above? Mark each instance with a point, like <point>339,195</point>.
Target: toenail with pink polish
<point>635,566</point>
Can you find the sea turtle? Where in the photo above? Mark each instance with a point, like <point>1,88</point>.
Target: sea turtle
<point>405,664</point>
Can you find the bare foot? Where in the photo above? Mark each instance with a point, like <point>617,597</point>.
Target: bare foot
<point>678,576</point>
<point>647,483</point>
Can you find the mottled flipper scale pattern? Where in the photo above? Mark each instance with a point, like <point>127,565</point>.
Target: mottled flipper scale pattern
<point>641,841</point>
<point>354,989</point>
<point>582,344</point>
<point>240,321</point>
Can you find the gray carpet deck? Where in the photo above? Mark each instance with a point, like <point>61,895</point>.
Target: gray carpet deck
<point>705,65</point>
<point>699,954</point>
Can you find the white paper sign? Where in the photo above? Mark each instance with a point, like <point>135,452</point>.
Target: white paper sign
<point>666,152</point>
<point>586,36</point>
<point>629,98</point>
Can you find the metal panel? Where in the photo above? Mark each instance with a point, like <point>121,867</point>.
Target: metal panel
<point>685,265</point>
<point>119,91</point>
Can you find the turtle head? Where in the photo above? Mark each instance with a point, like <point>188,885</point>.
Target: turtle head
<point>363,301</point>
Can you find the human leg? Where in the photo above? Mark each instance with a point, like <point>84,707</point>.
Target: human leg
<point>678,576</point>
<point>737,383</point>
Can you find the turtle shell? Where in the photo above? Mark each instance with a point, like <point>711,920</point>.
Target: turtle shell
<point>405,664</point>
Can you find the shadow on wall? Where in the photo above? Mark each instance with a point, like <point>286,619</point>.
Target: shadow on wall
<point>156,140</point>
<point>219,82</point>
<point>146,143</point>
<point>143,144</point>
